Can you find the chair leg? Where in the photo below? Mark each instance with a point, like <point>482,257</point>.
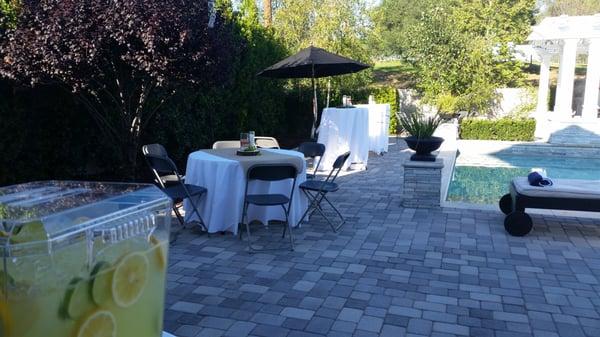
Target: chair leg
<point>202,224</point>
<point>311,207</point>
<point>343,221</point>
<point>249,238</point>
<point>284,227</point>
<point>179,217</point>
<point>333,227</point>
<point>315,206</point>
<point>289,225</point>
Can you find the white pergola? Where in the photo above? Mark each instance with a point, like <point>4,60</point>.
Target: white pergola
<point>568,36</point>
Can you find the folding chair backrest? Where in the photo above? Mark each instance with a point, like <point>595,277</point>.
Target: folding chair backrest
<point>268,172</point>
<point>312,149</point>
<point>161,165</point>
<point>227,144</point>
<point>266,142</point>
<point>155,149</point>
<point>338,164</point>
<point>341,160</point>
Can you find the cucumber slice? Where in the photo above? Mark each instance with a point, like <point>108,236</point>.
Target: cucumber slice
<point>77,300</point>
<point>101,289</point>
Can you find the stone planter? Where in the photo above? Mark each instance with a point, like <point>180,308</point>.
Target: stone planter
<point>423,147</point>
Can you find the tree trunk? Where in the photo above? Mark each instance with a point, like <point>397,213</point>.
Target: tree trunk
<point>267,12</point>
<point>133,147</point>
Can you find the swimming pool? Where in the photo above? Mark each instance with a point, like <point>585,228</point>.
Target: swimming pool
<point>483,179</point>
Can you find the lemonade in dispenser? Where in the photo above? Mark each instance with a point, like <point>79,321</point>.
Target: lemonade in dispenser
<point>83,259</point>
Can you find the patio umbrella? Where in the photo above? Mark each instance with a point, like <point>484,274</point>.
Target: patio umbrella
<point>313,62</point>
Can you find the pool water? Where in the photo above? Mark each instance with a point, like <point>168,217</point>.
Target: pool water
<point>484,179</point>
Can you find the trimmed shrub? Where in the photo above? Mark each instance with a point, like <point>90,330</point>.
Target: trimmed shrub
<point>389,95</point>
<point>498,129</point>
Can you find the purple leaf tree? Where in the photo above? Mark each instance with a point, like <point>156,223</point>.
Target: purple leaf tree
<point>122,58</point>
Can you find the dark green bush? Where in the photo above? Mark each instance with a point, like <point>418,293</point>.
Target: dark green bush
<point>498,129</point>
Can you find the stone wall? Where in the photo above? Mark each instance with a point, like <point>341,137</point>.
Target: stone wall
<point>422,183</point>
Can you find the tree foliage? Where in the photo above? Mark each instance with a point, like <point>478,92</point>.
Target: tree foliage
<point>123,59</point>
<point>392,19</point>
<point>37,121</point>
<point>462,50</point>
<point>8,12</point>
<point>339,26</point>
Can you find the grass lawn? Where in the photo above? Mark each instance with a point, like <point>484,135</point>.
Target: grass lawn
<point>393,73</point>
<point>532,73</point>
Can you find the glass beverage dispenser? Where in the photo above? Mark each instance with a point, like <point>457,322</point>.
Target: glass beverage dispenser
<point>83,259</point>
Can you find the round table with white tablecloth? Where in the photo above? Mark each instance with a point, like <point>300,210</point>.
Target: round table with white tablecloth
<point>224,176</point>
<point>342,130</point>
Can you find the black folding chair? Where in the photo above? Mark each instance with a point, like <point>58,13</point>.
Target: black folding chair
<point>160,151</point>
<point>311,150</point>
<point>270,173</point>
<point>316,192</point>
<point>162,165</point>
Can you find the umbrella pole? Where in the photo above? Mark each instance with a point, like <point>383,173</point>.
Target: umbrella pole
<point>315,108</point>
<point>328,90</point>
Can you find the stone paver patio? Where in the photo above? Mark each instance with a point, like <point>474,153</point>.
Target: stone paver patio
<point>393,272</point>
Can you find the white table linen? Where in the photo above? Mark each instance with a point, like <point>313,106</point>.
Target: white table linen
<point>225,180</point>
<point>379,126</point>
<point>342,130</point>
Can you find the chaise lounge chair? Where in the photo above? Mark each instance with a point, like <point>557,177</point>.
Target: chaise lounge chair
<point>565,194</point>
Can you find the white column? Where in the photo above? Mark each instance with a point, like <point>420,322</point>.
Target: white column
<point>541,114</point>
<point>542,103</point>
<point>592,81</point>
<point>566,79</point>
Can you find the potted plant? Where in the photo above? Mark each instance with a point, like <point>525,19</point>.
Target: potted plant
<point>421,139</point>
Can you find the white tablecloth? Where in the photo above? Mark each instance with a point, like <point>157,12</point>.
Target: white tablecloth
<point>379,126</point>
<point>166,334</point>
<point>341,130</point>
<point>225,179</point>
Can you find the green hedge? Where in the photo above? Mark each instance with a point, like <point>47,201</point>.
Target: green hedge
<point>389,95</point>
<point>498,129</point>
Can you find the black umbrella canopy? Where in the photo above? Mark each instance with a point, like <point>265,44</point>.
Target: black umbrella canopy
<point>301,65</point>
<point>313,62</point>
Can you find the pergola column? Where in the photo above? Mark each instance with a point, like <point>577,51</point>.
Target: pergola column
<point>544,86</point>
<point>566,79</point>
<point>592,81</point>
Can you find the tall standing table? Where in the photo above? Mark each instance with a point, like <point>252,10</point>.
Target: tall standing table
<point>342,130</point>
<point>379,126</point>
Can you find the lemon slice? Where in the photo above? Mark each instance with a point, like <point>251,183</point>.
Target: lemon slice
<point>31,231</point>
<point>129,279</point>
<point>159,252</point>
<point>77,298</point>
<point>101,323</point>
<point>101,282</point>
<point>5,321</point>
